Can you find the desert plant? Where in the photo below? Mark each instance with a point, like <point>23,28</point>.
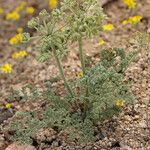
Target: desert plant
<point>27,92</point>
<point>108,94</point>
<point>74,20</point>
<point>102,91</point>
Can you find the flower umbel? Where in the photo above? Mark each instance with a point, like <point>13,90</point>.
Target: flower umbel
<point>6,68</point>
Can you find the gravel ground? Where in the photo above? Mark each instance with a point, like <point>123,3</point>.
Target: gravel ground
<point>130,131</point>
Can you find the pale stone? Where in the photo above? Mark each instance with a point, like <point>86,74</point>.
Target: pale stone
<point>15,146</point>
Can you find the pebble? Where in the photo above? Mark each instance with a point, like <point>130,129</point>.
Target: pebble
<point>15,146</point>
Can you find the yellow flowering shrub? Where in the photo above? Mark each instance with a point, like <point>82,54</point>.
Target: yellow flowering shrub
<point>108,27</point>
<point>30,10</point>
<point>6,68</point>
<point>130,3</point>
<point>53,4</point>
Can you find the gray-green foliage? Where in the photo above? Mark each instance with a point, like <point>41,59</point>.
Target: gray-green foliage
<point>73,19</point>
<point>27,124</point>
<point>106,84</point>
<point>50,33</point>
<point>85,18</point>
<point>101,85</point>
<point>141,42</point>
<point>28,92</point>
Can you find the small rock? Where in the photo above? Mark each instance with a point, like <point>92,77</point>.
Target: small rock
<point>143,124</point>
<point>125,147</point>
<point>15,146</point>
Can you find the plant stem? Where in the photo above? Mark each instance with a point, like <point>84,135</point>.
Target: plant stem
<point>61,71</point>
<point>81,54</point>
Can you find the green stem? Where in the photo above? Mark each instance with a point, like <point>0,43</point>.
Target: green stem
<point>61,71</point>
<point>81,54</point>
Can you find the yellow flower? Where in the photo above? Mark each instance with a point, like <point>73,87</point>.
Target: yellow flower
<point>120,103</point>
<point>8,105</point>
<point>125,22</point>
<point>21,6</point>
<point>101,42</point>
<point>23,53</point>
<point>134,19</point>
<point>80,74</point>
<point>23,3</point>
<point>13,41</point>
<point>18,8</point>
<point>108,27</point>
<point>19,37</point>
<point>53,4</point>
<point>16,39</point>
<point>30,10</point>
<point>6,68</point>
<point>1,10</point>
<point>13,16</point>
<point>130,3</point>
<point>19,30</point>
<point>15,55</point>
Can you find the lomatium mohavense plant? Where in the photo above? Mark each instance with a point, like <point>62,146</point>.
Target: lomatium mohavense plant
<point>102,90</point>
<point>73,21</point>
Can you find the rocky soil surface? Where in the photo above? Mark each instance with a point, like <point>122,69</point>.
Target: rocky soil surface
<point>129,131</point>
